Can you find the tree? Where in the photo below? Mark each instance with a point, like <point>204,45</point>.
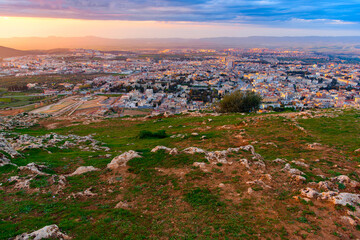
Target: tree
<point>240,101</point>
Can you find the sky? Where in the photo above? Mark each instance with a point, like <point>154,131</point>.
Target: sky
<point>179,18</point>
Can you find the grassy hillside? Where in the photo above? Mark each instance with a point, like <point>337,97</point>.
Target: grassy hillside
<point>163,196</point>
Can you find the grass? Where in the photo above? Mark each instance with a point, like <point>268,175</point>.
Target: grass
<point>170,199</point>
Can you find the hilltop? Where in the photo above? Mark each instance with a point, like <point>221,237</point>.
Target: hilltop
<point>291,175</point>
<point>6,52</point>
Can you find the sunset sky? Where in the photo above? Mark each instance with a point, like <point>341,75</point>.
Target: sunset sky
<point>179,18</point>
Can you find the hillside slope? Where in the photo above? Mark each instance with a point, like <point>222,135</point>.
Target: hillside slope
<point>257,176</point>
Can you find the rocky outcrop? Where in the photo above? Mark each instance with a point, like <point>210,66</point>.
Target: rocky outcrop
<point>82,170</point>
<point>121,160</point>
<point>292,171</point>
<point>48,232</point>
<point>343,198</point>
<point>343,179</point>
<point>193,150</point>
<point>20,182</point>
<point>172,151</point>
<point>34,168</point>
<point>86,193</point>
<point>6,147</point>
<point>25,141</point>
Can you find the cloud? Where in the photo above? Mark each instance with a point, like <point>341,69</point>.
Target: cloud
<point>261,12</point>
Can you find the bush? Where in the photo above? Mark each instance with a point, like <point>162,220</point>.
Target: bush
<point>239,101</point>
<point>147,134</point>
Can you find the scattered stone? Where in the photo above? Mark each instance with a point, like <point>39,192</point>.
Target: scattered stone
<point>272,144</point>
<point>314,145</point>
<point>343,179</point>
<point>121,160</point>
<point>34,168</point>
<point>194,134</point>
<point>302,164</point>
<point>199,164</point>
<point>123,205</point>
<point>193,150</point>
<point>21,182</point>
<point>48,232</point>
<point>172,151</point>
<point>82,170</point>
<point>258,182</point>
<point>86,193</point>
<point>6,147</point>
<point>279,160</point>
<point>245,163</point>
<point>292,171</point>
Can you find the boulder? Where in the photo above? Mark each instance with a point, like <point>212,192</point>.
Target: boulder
<point>121,160</point>
<point>82,170</point>
<point>48,232</point>
<point>193,150</point>
<point>34,168</point>
<point>343,179</point>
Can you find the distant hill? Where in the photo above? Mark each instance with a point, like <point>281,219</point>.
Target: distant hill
<point>348,44</point>
<point>6,52</point>
<point>10,52</point>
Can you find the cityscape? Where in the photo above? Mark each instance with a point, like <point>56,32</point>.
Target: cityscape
<point>181,80</point>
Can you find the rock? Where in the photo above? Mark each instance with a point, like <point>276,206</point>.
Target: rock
<point>279,160</point>
<point>5,161</point>
<point>194,134</point>
<point>260,164</point>
<point>221,185</point>
<point>272,144</point>
<point>302,164</point>
<point>314,145</point>
<point>357,150</point>
<point>172,151</point>
<point>86,193</point>
<point>349,220</point>
<point>343,179</point>
<point>193,150</point>
<point>216,157</point>
<point>250,191</point>
<point>123,205</point>
<point>258,182</point>
<point>292,171</point>
<point>34,168</point>
<point>309,193</point>
<point>245,163</point>
<point>82,170</point>
<point>21,182</point>
<point>347,198</point>
<point>199,164</point>
<point>48,232</point>
<point>6,147</point>
<point>325,185</point>
<point>121,160</point>
<point>298,178</point>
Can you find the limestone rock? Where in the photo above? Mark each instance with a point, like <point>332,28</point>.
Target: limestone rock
<point>34,168</point>
<point>121,160</point>
<point>82,170</point>
<point>48,232</point>
<point>193,150</point>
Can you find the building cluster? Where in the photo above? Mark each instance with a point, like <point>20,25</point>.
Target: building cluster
<point>178,80</point>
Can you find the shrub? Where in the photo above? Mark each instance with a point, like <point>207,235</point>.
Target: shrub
<point>240,101</point>
<point>148,134</point>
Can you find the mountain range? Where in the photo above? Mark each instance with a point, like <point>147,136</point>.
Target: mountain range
<point>344,44</point>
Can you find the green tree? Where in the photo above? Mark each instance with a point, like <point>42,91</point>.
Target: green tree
<point>240,101</point>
